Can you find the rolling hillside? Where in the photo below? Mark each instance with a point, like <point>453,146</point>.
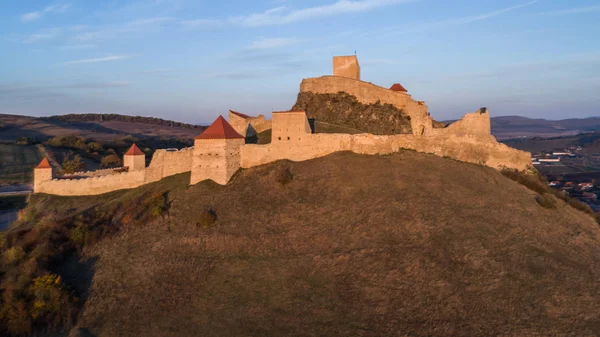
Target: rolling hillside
<point>506,127</point>
<point>106,128</point>
<point>408,244</point>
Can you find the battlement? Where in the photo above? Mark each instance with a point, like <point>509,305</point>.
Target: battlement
<point>220,150</point>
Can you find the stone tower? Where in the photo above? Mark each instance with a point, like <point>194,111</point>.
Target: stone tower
<point>134,158</point>
<point>41,174</point>
<point>216,153</point>
<point>346,66</point>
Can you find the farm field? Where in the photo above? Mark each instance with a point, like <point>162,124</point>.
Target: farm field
<point>17,163</point>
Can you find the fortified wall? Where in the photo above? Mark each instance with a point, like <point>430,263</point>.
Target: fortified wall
<point>220,150</point>
<point>292,139</point>
<point>248,126</point>
<point>133,174</point>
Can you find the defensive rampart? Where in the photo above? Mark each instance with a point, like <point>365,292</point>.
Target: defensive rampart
<point>248,126</point>
<point>467,149</point>
<point>167,163</point>
<point>92,185</point>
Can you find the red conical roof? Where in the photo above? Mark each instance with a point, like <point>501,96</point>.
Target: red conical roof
<point>44,164</point>
<point>134,151</point>
<point>219,129</point>
<point>397,87</point>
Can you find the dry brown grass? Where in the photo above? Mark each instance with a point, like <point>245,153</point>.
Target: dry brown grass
<point>401,245</point>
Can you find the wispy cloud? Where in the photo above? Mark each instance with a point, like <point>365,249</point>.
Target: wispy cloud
<point>270,43</point>
<point>96,85</point>
<point>34,16</point>
<point>201,23</point>
<point>425,26</point>
<point>79,46</point>
<point>283,15</point>
<point>567,11</point>
<point>46,91</point>
<point>99,59</point>
<point>129,27</point>
<point>42,35</point>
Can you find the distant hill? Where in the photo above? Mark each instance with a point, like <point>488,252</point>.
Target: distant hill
<point>504,127</point>
<point>102,127</point>
<point>590,142</point>
<point>407,244</point>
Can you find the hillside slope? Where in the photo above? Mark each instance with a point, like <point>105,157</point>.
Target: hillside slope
<point>402,245</point>
<point>106,128</point>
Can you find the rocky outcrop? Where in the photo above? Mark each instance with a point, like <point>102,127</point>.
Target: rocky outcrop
<point>345,110</point>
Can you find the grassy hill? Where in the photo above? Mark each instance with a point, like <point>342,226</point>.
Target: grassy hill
<point>107,127</point>
<point>346,245</point>
<point>590,142</point>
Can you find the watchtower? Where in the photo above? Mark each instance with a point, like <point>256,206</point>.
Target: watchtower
<point>216,153</point>
<point>41,174</point>
<point>134,158</point>
<point>346,66</point>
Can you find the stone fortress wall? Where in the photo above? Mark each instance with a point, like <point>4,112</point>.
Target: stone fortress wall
<point>92,185</point>
<point>296,143</point>
<point>247,125</point>
<point>221,150</point>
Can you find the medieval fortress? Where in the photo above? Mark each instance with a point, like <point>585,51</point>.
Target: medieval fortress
<point>221,150</point>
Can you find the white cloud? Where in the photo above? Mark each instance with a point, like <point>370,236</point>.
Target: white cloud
<point>33,16</point>
<point>78,46</point>
<point>42,35</point>
<point>283,15</point>
<point>269,43</point>
<point>416,28</point>
<point>100,59</point>
<point>111,31</point>
<point>578,10</point>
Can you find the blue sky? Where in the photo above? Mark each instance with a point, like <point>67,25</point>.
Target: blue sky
<point>191,60</point>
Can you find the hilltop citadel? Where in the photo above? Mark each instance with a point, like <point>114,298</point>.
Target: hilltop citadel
<point>221,150</point>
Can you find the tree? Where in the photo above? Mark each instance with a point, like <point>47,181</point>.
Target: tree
<point>95,147</point>
<point>111,161</point>
<point>73,165</point>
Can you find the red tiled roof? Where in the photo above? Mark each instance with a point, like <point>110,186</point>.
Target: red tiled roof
<point>397,87</point>
<point>239,114</point>
<point>134,151</point>
<point>219,129</point>
<point>44,164</point>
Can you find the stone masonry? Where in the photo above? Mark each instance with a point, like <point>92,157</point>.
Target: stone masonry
<point>220,150</point>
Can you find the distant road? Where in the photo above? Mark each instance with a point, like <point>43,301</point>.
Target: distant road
<point>19,189</point>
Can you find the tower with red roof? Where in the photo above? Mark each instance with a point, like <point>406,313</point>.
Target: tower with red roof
<point>134,159</point>
<point>41,174</point>
<point>216,153</point>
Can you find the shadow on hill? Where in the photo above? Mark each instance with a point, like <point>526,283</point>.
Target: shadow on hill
<point>12,132</point>
<point>78,275</point>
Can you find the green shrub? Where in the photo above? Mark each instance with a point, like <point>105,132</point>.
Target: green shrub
<point>207,218</point>
<point>13,255</point>
<point>158,205</point>
<point>73,165</point>
<point>284,176</point>
<point>546,200</point>
<point>80,234</point>
<point>110,161</point>
<point>73,142</point>
<point>94,147</point>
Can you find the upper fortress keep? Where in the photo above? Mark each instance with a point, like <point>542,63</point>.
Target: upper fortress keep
<point>223,148</point>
